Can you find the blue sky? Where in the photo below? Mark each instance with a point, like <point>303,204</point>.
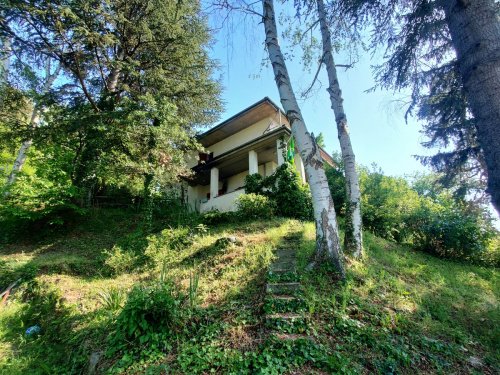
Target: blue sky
<point>378,130</point>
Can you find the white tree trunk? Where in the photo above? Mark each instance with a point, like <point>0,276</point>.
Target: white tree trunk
<point>327,238</point>
<point>474,26</point>
<point>354,234</point>
<point>34,120</point>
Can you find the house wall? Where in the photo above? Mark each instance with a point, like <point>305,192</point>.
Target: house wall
<point>246,135</point>
<point>236,181</point>
<point>223,203</point>
<point>269,168</point>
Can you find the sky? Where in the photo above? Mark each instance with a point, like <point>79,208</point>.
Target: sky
<point>378,130</point>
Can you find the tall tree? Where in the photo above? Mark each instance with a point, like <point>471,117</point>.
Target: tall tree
<point>136,83</point>
<point>353,234</point>
<point>475,33</point>
<point>425,37</point>
<point>327,238</point>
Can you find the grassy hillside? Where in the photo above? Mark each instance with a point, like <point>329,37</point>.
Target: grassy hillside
<point>399,312</point>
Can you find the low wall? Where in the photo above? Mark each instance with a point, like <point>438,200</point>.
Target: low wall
<point>223,203</point>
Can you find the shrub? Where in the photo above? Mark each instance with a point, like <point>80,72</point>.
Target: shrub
<point>291,197</point>
<point>436,223</point>
<point>120,260</point>
<point>253,206</point>
<point>215,217</point>
<point>151,316</point>
<point>43,199</point>
<point>163,248</point>
<point>387,204</point>
<point>451,230</point>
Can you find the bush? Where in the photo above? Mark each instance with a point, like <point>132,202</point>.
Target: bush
<point>436,223</point>
<point>151,316</point>
<point>163,248</point>
<point>254,206</point>
<point>291,197</point>
<point>120,260</point>
<point>43,199</point>
<point>451,230</point>
<point>215,217</point>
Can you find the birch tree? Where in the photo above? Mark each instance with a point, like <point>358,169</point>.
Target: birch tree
<point>327,237</point>
<point>353,242</point>
<point>34,121</point>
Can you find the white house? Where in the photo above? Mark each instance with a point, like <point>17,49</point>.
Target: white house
<point>252,141</point>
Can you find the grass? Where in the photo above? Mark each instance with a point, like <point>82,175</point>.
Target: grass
<point>400,311</point>
<point>403,310</point>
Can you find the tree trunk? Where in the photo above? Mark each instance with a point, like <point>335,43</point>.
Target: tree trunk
<point>353,234</point>
<point>327,238</point>
<point>474,26</point>
<point>34,120</point>
<point>4,61</point>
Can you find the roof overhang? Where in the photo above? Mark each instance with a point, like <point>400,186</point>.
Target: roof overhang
<point>256,112</point>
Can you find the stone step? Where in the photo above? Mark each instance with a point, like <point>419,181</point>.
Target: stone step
<point>284,304</point>
<point>278,270</point>
<point>286,253</point>
<point>285,298</point>
<point>282,277</point>
<point>292,336</point>
<point>285,316</point>
<point>282,288</point>
<point>287,322</point>
<point>283,267</point>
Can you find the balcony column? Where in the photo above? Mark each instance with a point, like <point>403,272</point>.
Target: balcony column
<point>214,182</point>
<point>253,162</point>
<point>280,148</point>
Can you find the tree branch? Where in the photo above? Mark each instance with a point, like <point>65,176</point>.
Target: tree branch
<point>306,92</point>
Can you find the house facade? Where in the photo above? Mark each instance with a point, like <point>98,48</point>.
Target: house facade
<point>252,141</point>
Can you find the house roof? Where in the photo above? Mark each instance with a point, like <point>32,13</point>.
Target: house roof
<point>256,112</point>
<point>250,115</point>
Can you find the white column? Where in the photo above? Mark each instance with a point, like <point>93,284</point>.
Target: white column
<point>253,162</point>
<point>280,148</point>
<point>300,167</point>
<point>214,182</point>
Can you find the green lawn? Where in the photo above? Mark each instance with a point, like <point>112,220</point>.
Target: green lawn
<point>399,312</point>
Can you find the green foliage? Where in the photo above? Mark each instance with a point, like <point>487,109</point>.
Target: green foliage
<point>423,214</point>
<point>420,57</point>
<point>403,310</point>
<point>388,203</point>
<point>452,230</point>
<point>151,316</point>
<point>45,197</point>
<point>121,114</point>
<point>120,260</point>
<point>336,182</point>
<point>163,248</point>
<point>400,310</point>
<point>254,206</point>
<point>215,217</point>
<point>284,187</point>
<point>9,273</point>
<point>112,299</point>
